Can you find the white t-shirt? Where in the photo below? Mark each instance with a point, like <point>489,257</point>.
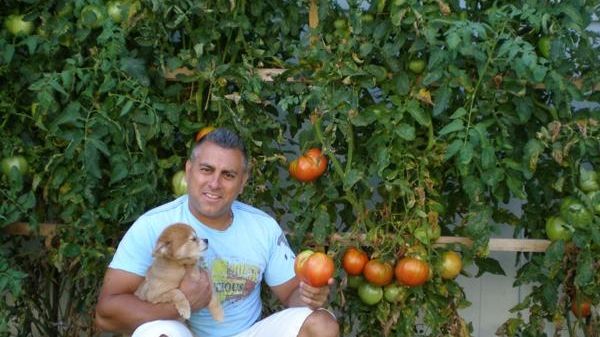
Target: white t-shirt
<point>253,248</point>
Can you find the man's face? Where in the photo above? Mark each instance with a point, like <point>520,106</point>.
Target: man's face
<point>215,177</point>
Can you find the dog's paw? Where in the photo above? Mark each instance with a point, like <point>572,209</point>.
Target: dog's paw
<point>183,309</point>
<point>218,314</point>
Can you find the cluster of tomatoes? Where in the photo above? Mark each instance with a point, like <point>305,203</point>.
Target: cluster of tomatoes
<point>374,278</point>
<point>576,213</point>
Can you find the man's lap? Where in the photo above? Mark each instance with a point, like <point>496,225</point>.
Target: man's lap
<point>285,323</point>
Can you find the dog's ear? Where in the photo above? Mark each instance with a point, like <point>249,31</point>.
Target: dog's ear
<point>162,248</point>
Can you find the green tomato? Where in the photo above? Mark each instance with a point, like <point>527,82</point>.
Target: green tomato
<point>370,294</point>
<point>18,162</point>
<point>17,26</point>
<point>558,229</point>
<point>589,180</point>
<point>575,213</point>
<point>92,16</point>
<point>416,66</point>
<point>179,183</point>
<point>120,10</point>
<point>544,44</point>
<point>394,293</point>
<point>354,281</point>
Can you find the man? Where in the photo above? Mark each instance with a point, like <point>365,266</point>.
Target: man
<point>246,247</point>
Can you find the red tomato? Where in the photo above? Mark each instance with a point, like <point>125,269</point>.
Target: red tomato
<point>203,132</point>
<point>354,261</point>
<point>299,262</point>
<point>318,269</point>
<point>411,271</point>
<point>378,273</point>
<point>584,308</point>
<point>309,166</point>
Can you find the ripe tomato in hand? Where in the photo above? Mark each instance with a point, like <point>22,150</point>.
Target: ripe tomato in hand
<point>411,271</point>
<point>377,272</point>
<point>315,269</point>
<point>309,166</point>
<point>354,260</point>
<point>300,260</point>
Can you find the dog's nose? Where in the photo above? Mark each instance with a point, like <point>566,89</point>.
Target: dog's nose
<point>205,241</point>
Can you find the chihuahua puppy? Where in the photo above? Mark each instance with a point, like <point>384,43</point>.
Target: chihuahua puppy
<point>178,248</point>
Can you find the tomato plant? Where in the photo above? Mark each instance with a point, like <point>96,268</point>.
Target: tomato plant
<point>451,265</point>
<point>558,229</point>
<point>354,260</point>
<point>378,272</point>
<point>370,294</point>
<point>411,271</point>
<point>18,162</point>
<point>178,183</point>
<point>309,166</point>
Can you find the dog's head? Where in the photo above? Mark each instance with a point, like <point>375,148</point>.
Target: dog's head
<point>179,242</point>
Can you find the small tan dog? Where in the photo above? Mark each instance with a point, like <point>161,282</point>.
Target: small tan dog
<point>178,247</point>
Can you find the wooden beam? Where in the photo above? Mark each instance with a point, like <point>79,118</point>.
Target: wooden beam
<point>495,244</point>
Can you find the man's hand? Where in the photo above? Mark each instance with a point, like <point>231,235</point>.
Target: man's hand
<point>312,296</point>
<point>197,287</point>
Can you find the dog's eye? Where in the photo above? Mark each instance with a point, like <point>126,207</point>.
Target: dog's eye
<point>194,239</point>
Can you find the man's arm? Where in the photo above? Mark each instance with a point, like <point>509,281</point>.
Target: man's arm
<point>295,293</point>
<point>119,310</point>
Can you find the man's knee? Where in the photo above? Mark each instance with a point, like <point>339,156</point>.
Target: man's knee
<point>320,323</point>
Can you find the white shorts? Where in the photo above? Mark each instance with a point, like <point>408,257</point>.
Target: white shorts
<point>285,323</point>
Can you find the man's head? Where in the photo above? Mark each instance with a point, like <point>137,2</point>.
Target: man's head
<point>216,174</point>
<point>224,138</point>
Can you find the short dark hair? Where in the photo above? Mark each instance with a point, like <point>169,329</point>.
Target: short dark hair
<point>224,138</point>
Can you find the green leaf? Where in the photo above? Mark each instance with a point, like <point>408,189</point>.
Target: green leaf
<point>532,151</point>
<point>351,178</point>
<point>442,98</point>
<point>466,154</point>
<point>126,108</point>
<point>585,268</point>
<point>136,67</point>
<point>418,113</point>
<point>515,186</point>
<point>406,132</point>
<point>453,148</point>
<point>454,126</point>
<point>488,265</point>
